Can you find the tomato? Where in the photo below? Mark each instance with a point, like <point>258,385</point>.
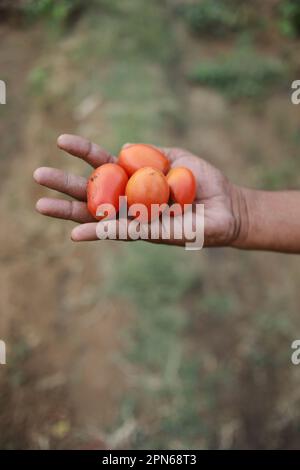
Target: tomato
<point>147,186</point>
<point>137,156</point>
<point>182,185</point>
<point>105,185</point>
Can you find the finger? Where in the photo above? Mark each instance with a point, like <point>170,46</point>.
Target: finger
<point>124,230</point>
<point>63,209</point>
<point>74,186</point>
<point>83,148</point>
<point>104,230</point>
<point>85,232</point>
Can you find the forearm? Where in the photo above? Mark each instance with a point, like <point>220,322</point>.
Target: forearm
<point>269,220</point>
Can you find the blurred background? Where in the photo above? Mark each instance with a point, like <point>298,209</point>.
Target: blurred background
<point>131,345</point>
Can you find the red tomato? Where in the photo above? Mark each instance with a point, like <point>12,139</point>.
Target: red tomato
<point>147,186</point>
<point>182,185</point>
<point>105,185</point>
<point>137,156</point>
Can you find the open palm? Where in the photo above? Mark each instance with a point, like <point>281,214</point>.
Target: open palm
<point>219,196</point>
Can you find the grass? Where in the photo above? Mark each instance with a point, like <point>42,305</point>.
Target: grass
<point>136,30</point>
<point>220,18</point>
<point>242,73</point>
<point>51,10</point>
<point>38,79</point>
<point>138,104</point>
<point>211,18</point>
<point>156,283</point>
<point>284,175</point>
<point>289,18</point>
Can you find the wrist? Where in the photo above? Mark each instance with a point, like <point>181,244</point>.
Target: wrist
<point>241,202</point>
<point>266,220</point>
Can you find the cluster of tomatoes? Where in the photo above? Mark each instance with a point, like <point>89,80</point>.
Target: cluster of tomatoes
<point>142,174</point>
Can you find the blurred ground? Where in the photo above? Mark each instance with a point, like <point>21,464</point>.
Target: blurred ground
<point>133,345</point>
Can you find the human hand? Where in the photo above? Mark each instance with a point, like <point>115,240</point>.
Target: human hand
<point>223,202</point>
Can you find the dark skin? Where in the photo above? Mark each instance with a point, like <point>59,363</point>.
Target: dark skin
<point>233,216</point>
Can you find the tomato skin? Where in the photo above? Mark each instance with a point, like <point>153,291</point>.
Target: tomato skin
<point>182,185</point>
<point>147,186</point>
<point>105,185</point>
<point>137,156</point>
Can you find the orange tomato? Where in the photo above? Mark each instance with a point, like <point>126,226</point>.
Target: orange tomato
<point>105,185</point>
<point>137,156</point>
<point>147,186</point>
<point>182,185</point>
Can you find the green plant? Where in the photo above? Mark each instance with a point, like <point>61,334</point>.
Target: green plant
<point>215,18</point>
<point>243,73</point>
<point>289,21</point>
<point>38,79</point>
<point>53,11</point>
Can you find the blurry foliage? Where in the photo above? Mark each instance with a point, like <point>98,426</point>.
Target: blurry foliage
<point>283,175</point>
<point>21,352</point>
<point>243,73</point>
<point>156,281</point>
<point>219,17</point>
<point>131,29</point>
<point>52,10</point>
<point>38,79</point>
<point>211,17</point>
<point>218,305</point>
<point>139,104</point>
<point>289,18</point>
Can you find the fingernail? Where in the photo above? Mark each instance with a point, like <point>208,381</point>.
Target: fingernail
<point>74,235</point>
<point>36,175</point>
<point>126,145</point>
<point>39,206</point>
<point>62,140</point>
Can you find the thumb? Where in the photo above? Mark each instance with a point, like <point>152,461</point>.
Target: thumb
<point>123,229</point>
